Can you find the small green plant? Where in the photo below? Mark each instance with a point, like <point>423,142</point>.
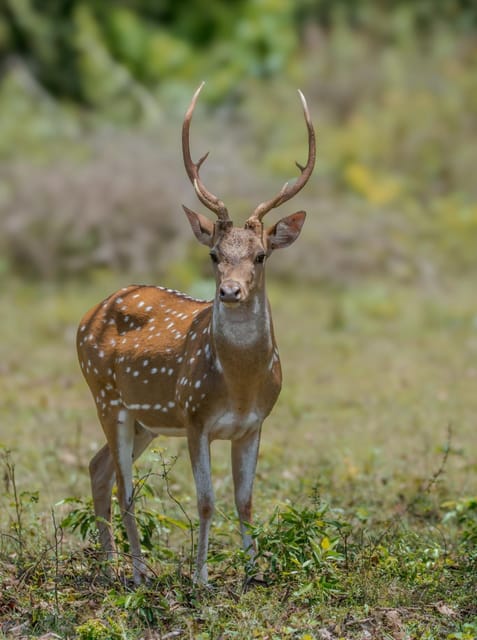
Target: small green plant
<point>144,605</point>
<point>464,513</point>
<point>466,631</point>
<point>302,545</point>
<point>95,629</point>
<point>24,522</point>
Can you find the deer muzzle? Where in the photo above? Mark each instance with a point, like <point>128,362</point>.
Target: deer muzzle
<point>230,292</point>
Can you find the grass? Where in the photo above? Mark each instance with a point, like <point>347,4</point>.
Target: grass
<point>369,458</point>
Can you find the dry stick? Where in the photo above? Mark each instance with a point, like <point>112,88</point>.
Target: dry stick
<point>31,569</point>
<point>165,476</point>
<point>435,476</point>
<point>11,481</point>
<point>58,539</point>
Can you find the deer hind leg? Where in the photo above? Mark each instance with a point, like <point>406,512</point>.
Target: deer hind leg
<point>126,441</point>
<point>199,451</point>
<point>101,471</point>
<point>244,463</point>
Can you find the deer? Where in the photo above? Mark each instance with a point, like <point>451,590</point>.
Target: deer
<point>159,362</point>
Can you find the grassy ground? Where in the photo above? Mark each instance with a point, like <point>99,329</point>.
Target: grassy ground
<point>369,457</point>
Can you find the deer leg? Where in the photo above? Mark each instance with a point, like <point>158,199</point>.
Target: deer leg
<point>244,463</point>
<point>101,470</point>
<point>124,442</point>
<point>199,451</point>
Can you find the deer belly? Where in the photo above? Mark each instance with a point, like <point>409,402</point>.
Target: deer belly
<point>233,426</point>
<point>163,431</point>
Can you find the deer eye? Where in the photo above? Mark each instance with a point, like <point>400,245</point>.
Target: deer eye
<point>260,258</point>
<point>214,257</point>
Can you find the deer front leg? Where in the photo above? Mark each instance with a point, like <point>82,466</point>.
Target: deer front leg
<point>244,463</point>
<point>199,450</point>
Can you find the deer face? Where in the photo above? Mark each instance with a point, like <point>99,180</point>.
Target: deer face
<point>239,255</point>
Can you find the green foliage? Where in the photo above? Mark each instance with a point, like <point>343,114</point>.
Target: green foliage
<point>466,631</point>
<point>95,629</point>
<point>111,57</point>
<point>145,604</point>
<point>299,545</point>
<point>463,513</point>
<point>103,55</point>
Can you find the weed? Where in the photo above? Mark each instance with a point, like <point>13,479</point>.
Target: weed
<point>144,605</point>
<point>464,513</point>
<point>95,629</point>
<point>300,546</point>
<point>466,631</point>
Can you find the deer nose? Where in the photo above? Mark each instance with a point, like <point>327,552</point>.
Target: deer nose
<point>230,291</point>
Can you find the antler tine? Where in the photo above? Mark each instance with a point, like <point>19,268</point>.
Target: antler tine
<point>206,197</point>
<point>289,190</point>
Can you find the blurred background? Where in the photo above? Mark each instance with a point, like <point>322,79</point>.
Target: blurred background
<point>92,96</point>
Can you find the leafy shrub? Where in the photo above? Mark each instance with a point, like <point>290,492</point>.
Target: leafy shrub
<point>300,545</point>
<point>95,629</point>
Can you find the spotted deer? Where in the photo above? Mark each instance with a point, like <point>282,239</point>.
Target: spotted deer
<point>159,362</point>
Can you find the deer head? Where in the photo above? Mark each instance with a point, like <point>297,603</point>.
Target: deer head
<point>239,254</point>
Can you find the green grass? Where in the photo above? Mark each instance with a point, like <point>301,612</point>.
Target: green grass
<point>369,458</point>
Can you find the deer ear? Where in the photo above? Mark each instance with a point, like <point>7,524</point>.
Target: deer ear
<point>202,227</point>
<point>285,231</point>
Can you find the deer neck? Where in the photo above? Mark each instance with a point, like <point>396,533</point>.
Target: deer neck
<point>243,335</point>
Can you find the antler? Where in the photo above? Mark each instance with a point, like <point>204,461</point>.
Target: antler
<point>289,190</point>
<point>208,199</point>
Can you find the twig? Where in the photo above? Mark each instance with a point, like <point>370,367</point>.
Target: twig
<point>10,481</point>
<point>58,538</point>
<point>165,475</point>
